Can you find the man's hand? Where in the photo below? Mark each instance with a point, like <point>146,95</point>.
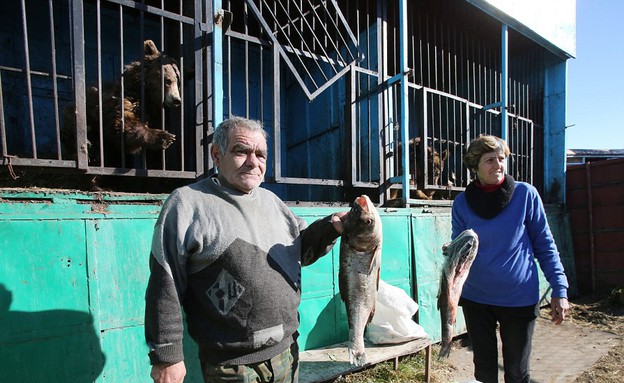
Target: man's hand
<point>558,309</point>
<point>169,373</point>
<point>338,219</point>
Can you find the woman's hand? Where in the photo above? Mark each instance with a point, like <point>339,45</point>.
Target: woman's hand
<point>559,308</point>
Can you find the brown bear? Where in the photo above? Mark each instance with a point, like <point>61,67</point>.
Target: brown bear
<point>138,116</point>
<point>435,164</point>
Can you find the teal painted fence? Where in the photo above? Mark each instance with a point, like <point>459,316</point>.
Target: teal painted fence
<point>73,271</point>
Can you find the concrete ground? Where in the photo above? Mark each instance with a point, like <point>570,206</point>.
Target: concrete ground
<point>560,353</point>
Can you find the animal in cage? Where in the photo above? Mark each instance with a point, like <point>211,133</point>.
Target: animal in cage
<point>133,122</point>
<point>435,166</point>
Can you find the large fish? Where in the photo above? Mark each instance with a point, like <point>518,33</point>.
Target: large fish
<point>460,253</point>
<point>360,258</point>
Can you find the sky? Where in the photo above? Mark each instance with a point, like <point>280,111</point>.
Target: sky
<point>595,91</point>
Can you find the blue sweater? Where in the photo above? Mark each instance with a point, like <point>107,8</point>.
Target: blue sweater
<point>504,272</point>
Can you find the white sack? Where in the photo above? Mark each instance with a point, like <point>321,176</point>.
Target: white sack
<point>393,322</point>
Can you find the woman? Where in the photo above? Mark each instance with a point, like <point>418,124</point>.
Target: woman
<point>502,286</point>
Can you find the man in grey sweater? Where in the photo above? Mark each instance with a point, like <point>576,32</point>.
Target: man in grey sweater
<point>230,253</point>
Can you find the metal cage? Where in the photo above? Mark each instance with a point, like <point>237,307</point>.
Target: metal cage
<point>320,75</point>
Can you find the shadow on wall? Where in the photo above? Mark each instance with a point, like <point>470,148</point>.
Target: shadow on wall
<point>47,346</point>
<point>330,327</point>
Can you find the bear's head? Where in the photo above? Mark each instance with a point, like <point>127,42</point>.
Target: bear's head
<point>160,67</point>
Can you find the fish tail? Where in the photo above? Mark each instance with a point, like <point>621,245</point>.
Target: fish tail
<point>357,358</point>
<point>445,350</point>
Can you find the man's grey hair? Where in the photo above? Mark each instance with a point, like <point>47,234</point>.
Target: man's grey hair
<point>221,133</point>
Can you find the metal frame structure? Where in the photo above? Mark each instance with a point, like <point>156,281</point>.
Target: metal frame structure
<point>340,86</point>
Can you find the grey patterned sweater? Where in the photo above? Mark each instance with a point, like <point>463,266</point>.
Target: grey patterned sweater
<point>233,262</point>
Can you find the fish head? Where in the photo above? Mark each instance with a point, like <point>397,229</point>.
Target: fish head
<point>465,245</point>
<point>363,224</point>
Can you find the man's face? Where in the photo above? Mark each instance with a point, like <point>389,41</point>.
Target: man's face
<point>243,164</point>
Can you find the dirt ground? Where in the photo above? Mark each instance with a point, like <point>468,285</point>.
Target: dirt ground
<point>588,347</point>
<point>604,313</point>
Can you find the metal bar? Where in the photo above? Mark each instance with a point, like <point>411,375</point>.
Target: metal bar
<point>141,6</point>
<point>251,39</point>
<point>17,161</point>
<point>3,141</point>
<point>31,113</point>
<point>207,91</point>
<point>259,15</point>
<point>229,73</point>
<point>277,139</point>
<point>163,159</point>
<point>33,72</point>
<point>403,98</point>
<point>157,173</point>
<point>246,59</point>
<point>311,28</point>
<point>217,69</point>
<point>352,132</point>
<point>77,24</point>
<point>123,89</point>
<point>100,130</point>
<point>202,89</point>
<point>278,46</point>
<point>347,29</point>
<point>306,181</point>
<point>309,55</point>
<point>182,89</point>
<point>504,81</point>
<point>261,88</point>
<point>337,28</point>
<point>57,126</point>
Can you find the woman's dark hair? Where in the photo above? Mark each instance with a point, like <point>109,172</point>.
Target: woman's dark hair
<point>481,145</point>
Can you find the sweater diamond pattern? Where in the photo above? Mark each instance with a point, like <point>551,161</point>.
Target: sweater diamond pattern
<point>225,292</point>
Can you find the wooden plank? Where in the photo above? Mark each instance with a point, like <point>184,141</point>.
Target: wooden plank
<point>327,363</point>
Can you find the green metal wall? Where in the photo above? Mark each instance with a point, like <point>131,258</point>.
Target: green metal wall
<point>74,268</point>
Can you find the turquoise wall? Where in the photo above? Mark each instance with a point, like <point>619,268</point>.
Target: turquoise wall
<point>74,268</point>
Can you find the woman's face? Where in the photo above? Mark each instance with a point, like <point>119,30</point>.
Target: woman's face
<point>491,168</point>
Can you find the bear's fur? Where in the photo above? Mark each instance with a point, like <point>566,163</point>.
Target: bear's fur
<point>435,163</point>
<point>138,116</point>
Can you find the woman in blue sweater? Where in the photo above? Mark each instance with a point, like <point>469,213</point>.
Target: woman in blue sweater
<point>502,287</point>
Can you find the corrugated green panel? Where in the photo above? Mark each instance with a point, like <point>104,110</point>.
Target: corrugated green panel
<point>322,322</point>
<point>46,331</point>
<point>396,267</point>
<point>73,276</point>
<point>69,353</point>
<point>320,307</point>
<point>44,266</point>
<point>430,232</point>
<point>119,267</point>
<point>68,205</point>
<point>126,356</point>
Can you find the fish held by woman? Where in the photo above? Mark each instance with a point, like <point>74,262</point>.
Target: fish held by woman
<point>360,260</point>
<point>460,253</point>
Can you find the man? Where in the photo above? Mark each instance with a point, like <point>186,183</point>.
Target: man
<point>230,253</point>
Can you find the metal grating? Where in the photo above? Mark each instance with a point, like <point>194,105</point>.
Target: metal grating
<point>320,75</point>
<point>68,60</point>
<point>312,37</point>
